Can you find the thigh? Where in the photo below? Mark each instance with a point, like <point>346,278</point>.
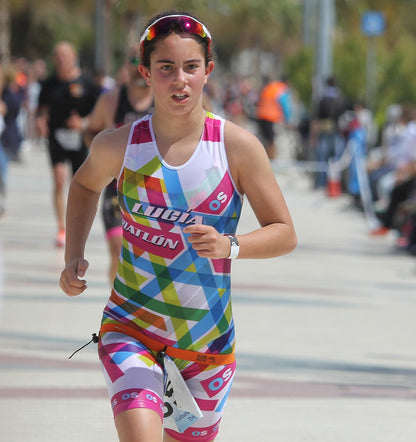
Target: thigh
<point>210,386</point>
<point>134,379</point>
<point>57,153</point>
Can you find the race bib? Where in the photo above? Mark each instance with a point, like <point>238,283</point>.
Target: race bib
<point>181,409</point>
<point>69,139</point>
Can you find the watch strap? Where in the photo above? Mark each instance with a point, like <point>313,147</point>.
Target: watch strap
<point>235,247</point>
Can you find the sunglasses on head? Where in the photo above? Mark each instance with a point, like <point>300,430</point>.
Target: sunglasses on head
<point>164,26</point>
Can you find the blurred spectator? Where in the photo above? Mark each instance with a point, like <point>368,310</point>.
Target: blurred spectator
<point>233,102</point>
<point>355,136</point>
<point>411,238</point>
<point>404,161</point>
<point>36,75</point>
<point>273,111</point>
<point>212,97</point>
<point>105,82</point>
<point>3,155</point>
<point>325,129</point>
<point>383,161</point>
<point>304,130</point>
<point>250,96</point>
<point>21,66</point>
<point>65,99</point>
<point>122,75</point>
<point>365,118</point>
<point>12,96</point>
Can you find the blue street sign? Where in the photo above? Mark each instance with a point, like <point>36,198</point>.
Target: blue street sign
<point>372,23</point>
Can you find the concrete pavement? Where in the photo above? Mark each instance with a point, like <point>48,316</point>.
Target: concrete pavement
<point>325,336</point>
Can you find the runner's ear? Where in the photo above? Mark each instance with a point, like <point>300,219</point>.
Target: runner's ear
<point>145,73</point>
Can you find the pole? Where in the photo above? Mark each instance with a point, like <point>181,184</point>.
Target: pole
<point>99,34</point>
<point>372,26</point>
<point>370,72</point>
<point>102,61</point>
<point>309,21</point>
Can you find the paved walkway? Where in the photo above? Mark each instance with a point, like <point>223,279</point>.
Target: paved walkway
<point>326,336</point>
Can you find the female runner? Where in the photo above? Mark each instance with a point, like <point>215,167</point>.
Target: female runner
<point>181,175</point>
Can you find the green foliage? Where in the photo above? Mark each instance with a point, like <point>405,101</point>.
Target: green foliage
<point>396,82</point>
<point>299,69</point>
<point>46,22</point>
<point>394,55</point>
<point>350,67</point>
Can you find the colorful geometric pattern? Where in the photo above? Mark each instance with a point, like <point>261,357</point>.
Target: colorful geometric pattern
<point>162,286</point>
<point>135,380</point>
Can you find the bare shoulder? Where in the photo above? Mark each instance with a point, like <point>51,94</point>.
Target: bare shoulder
<point>108,147</point>
<point>245,152</point>
<point>238,135</point>
<point>241,142</point>
<point>112,139</point>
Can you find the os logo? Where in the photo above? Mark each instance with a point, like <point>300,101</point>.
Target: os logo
<point>216,204</point>
<point>220,380</point>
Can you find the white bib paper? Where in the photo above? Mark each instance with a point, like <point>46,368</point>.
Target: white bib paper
<point>69,139</point>
<point>181,409</point>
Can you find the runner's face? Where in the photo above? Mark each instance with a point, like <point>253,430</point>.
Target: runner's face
<point>64,57</point>
<point>177,73</point>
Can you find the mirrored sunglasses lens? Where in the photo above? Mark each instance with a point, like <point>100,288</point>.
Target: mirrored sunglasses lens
<point>164,26</point>
<point>191,26</point>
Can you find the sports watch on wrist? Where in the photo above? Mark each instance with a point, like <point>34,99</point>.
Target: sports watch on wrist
<point>235,248</point>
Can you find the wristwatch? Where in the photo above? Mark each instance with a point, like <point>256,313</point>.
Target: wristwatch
<point>235,248</point>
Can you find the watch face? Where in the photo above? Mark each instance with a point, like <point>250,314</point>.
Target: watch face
<point>235,248</point>
<point>233,240</point>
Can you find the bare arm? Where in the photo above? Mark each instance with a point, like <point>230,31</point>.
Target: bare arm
<point>42,119</point>
<point>254,177</point>
<point>100,168</point>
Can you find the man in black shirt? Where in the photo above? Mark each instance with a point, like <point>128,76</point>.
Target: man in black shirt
<point>66,98</point>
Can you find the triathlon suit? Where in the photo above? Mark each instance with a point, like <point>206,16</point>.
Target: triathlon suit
<point>62,99</point>
<point>163,289</point>
<point>111,215</point>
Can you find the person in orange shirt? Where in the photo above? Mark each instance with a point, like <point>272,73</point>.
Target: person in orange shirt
<point>273,108</point>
